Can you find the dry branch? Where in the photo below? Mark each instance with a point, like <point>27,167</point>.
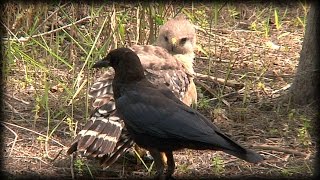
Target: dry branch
<point>24,39</point>
<point>210,90</point>
<point>10,124</point>
<point>280,149</point>
<point>17,99</point>
<point>15,138</point>
<point>206,87</point>
<point>231,83</point>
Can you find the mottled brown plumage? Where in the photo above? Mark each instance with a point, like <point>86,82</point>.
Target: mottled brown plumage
<point>176,42</point>
<point>158,121</point>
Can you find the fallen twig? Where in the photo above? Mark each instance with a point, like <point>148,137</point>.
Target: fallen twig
<point>33,132</point>
<point>282,89</point>
<point>230,83</point>
<point>20,100</point>
<point>15,138</point>
<point>24,39</point>
<point>272,165</point>
<point>227,95</point>
<point>30,157</point>
<point>14,110</point>
<point>207,59</point>
<point>11,107</point>
<point>206,87</point>
<point>280,149</point>
<point>57,155</point>
<point>241,75</point>
<point>53,13</point>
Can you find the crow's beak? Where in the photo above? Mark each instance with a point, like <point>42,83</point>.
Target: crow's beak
<point>102,63</point>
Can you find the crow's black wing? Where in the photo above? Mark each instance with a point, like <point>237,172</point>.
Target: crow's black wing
<point>149,111</point>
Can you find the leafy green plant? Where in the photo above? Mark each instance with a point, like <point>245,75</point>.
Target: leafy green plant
<point>204,103</point>
<point>303,19</point>
<point>286,172</point>
<point>303,132</point>
<point>217,165</point>
<point>79,165</point>
<point>266,26</point>
<point>183,168</point>
<point>278,18</point>
<point>233,12</point>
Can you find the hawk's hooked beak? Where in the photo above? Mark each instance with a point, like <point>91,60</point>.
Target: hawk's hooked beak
<point>174,41</point>
<point>102,63</point>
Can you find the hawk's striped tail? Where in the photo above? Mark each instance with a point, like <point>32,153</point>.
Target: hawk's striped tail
<point>99,136</point>
<point>125,142</point>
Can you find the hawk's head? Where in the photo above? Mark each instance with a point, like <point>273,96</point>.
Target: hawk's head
<point>178,36</point>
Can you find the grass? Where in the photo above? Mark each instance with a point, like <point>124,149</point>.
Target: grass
<point>217,166</point>
<point>49,50</point>
<point>304,129</point>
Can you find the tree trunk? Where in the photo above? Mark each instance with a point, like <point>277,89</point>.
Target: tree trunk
<point>305,87</point>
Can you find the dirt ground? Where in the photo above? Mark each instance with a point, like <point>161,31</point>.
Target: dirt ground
<point>254,116</point>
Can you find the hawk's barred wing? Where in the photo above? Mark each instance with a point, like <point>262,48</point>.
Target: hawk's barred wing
<point>99,136</point>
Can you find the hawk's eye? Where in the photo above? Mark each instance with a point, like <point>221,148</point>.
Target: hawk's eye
<point>183,40</point>
<point>166,38</point>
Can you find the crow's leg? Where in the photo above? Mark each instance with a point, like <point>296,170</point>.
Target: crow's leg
<point>171,165</point>
<point>158,160</point>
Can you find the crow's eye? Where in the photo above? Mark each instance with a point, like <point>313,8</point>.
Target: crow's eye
<point>166,38</point>
<point>183,40</point>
